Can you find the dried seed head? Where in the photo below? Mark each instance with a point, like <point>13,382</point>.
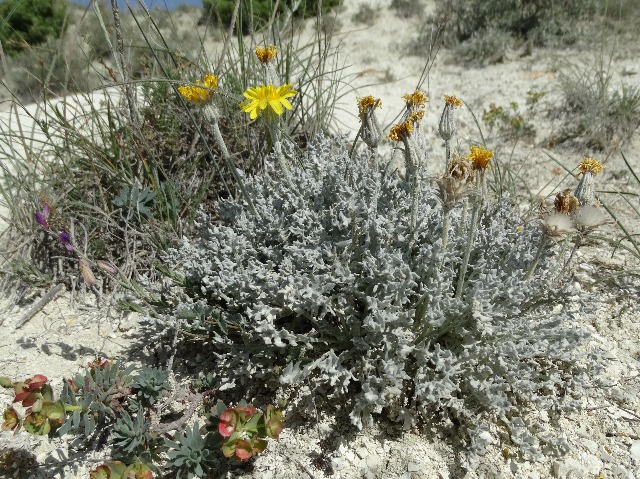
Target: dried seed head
<point>556,225</point>
<point>587,218</point>
<point>565,202</point>
<point>461,169</point>
<point>454,185</point>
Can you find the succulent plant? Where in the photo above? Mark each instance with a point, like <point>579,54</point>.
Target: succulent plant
<point>149,384</point>
<point>189,454</point>
<point>100,393</point>
<point>130,436</point>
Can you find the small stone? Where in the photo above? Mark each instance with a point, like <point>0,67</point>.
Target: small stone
<point>362,452</point>
<point>590,445</point>
<point>620,472</point>
<point>373,461</point>
<point>634,450</point>
<point>605,456</point>
<point>568,468</point>
<point>338,464</point>
<point>414,467</point>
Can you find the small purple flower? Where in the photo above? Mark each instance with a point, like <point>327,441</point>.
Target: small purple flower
<point>65,239</point>
<point>42,215</point>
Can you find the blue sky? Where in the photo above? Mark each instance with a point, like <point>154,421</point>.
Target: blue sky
<point>151,4</point>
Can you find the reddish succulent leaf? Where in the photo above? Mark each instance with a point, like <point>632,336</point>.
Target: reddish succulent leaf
<point>244,450</point>
<point>100,472</point>
<point>228,421</point>
<point>35,383</point>
<point>11,420</point>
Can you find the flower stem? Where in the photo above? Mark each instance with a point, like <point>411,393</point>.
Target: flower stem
<point>536,260</point>
<point>277,149</point>
<point>467,252</point>
<point>234,171</point>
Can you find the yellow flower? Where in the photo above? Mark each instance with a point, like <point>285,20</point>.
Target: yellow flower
<point>480,157</point>
<point>416,116</point>
<point>267,98</point>
<point>590,165</point>
<point>200,94</point>
<point>417,99</point>
<point>452,100</point>
<point>367,103</point>
<point>401,130</point>
<point>265,55</point>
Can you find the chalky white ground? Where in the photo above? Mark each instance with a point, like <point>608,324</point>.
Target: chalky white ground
<point>604,436</point>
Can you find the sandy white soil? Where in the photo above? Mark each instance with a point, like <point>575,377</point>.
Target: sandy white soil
<point>603,438</point>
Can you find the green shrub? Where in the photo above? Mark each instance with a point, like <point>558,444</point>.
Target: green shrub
<point>29,22</point>
<point>255,14</point>
<point>526,19</point>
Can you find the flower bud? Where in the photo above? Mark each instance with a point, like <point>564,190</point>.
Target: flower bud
<point>585,191</point>
<point>447,126</point>
<point>107,266</point>
<point>87,274</point>
<point>371,130</point>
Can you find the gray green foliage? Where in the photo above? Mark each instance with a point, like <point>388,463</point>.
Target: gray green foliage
<point>130,434</point>
<point>347,298</point>
<point>150,383</point>
<point>189,454</point>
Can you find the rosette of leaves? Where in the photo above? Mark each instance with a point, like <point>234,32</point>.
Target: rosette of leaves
<point>326,288</point>
<point>131,436</point>
<point>190,454</point>
<point>101,392</point>
<point>149,384</point>
<point>43,414</point>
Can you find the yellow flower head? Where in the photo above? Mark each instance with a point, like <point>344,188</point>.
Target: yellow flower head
<point>480,157</point>
<point>590,165</point>
<point>452,101</point>
<point>417,99</point>
<point>265,55</point>
<point>416,117</point>
<point>401,130</point>
<point>367,103</point>
<point>200,94</point>
<point>267,98</point>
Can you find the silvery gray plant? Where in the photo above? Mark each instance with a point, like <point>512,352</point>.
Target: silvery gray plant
<point>320,286</point>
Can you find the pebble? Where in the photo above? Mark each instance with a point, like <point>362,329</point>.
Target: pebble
<point>569,468</point>
<point>414,467</point>
<point>634,450</point>
<point>362,452</point>
<point>373,461</point>
<point>605,456</point>
<point>619,472</point>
